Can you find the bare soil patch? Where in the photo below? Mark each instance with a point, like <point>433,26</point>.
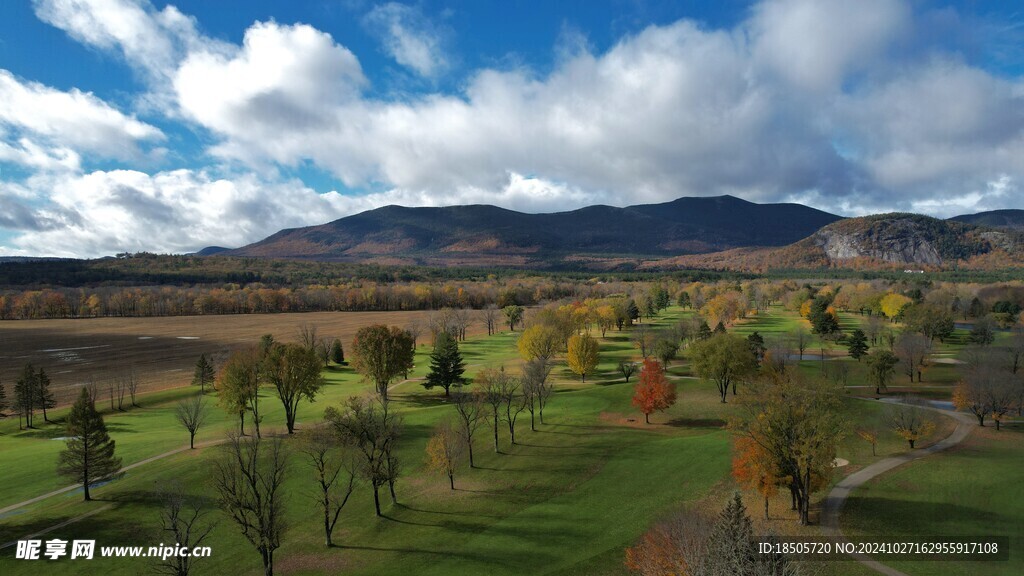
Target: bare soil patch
<point>162,351</point>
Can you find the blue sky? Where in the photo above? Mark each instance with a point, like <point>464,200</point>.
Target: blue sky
<point>169,126</point>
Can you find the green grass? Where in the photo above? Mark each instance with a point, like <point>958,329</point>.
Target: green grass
<point>565,501</point>
<point>973,491</point>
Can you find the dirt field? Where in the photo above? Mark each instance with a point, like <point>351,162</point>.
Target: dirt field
<point>162,351</point>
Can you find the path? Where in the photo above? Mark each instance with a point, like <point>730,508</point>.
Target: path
<point>833,503</point>
<point>57,526</point>
<point>65,489</point>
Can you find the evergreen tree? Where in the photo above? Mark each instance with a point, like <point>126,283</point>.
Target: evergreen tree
<point>684,300</point>
<point>704,332</point>
<point>3,399</point>
<point>757,347</point>
<point>204,373</point>
<point>25,395</point>
<point>632,312</point>
<point>446,364</point>
<point>337,352</point>
<point>731,547</point>
<point>858,344</point>
<point>720,328</point>
<point>89,455</point>
<point>44,396</point>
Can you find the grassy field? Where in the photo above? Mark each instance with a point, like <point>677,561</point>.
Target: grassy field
<point>566,500</point>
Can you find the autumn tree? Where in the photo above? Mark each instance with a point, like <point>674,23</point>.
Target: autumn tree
<point>445,450</point>
<point>240,387</point>
<point>294,372</point>
<point>986,390</point>
<point>381,354</point>
<point>335,472</point>
<point>446,365</point>
<point>582,355</point>
<point>869,436</point>
<point>724,359</point>
<point>249,480</point>
<point>910,422</point>
<point>371,430</point>
<point>857,344</point>
<point>88,455</point>
<point>191,413</point>
<point>798,424</point>
<point>653,392</point>
<point>881,367</point>
<point>203,373</point>
<point>755,469</point>
<point>539,341</point>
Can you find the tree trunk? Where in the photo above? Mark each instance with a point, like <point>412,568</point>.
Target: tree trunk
<point>376,499</point>
<point>496,451</point>
<point>391,488</point>
<point>451,480</point>
<point>533,426</point>
<point>766,508</point>
<point>472,464</point>
<point>192,441</point>
<point>911,444</point>
<point>85,487</point>
<point>241,423</point>
<point>268,563</point>
<point>647,418</point>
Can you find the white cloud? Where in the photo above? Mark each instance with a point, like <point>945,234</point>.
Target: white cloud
<point>409,37</point>
<point>69,122</point>
<point>853,106</point>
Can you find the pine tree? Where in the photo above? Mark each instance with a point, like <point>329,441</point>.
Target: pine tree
<point>446,364</point>
<point>337,352</point>
<point>720,328</point>
<point>731,547</point>
<point>3,399</point>
<point>858,344</point>
<point>44,396</point>
<point>704,332</point>
<point>204,374</point>
<point>25,395</point>
<point>89,455</point>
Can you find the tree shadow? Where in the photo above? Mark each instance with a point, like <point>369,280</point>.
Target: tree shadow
<point>696,423</point>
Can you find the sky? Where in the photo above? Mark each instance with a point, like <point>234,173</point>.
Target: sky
<point>146,125</point>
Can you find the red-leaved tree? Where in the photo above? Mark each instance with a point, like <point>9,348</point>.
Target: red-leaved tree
<point>653,392</point>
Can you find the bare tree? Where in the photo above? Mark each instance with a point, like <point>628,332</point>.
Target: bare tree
<point>627,369</point>
<point>801,340</point>
<point>249,479</point>
<point>643,337</point>
<point>122,388</point>
<point>496,388</point>
<point>490,316</point>
<point>536,387</point>
<point>910,422</point>
<point>191,413</point>
<point>182,517</point>
<point>131,381</point>
<point>470,409</point>
<point>460,319</point>
<point>912,351</point>
<point>308,336</point>
<point>330,463</point>
<point>370,430</point>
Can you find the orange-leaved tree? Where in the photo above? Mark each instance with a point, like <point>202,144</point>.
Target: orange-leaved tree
<point>754,468</point>
<point>653,392</point>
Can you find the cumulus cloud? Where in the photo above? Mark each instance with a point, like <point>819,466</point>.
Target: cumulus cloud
<point>821,101</point>
<point>409,37</point>
<point>65,122</point>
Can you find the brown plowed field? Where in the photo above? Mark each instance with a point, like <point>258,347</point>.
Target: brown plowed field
<point>162,351</point>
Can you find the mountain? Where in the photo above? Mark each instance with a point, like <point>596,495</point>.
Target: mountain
<point>595,236</point>
<point>211,250</point>
<point>880,241</point>
<point>1011,218</point>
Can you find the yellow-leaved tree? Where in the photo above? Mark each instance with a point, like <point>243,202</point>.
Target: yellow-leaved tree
<point>582,355</point>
